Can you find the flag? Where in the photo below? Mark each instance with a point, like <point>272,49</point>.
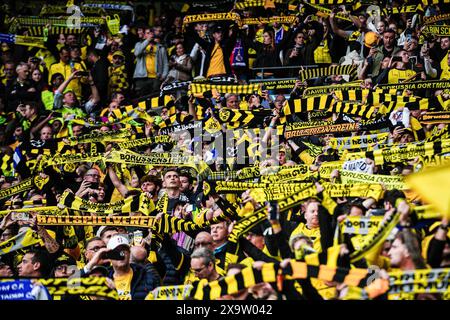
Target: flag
<point>434,186</point>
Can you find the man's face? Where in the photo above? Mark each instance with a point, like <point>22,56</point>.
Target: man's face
<point>397,253</point>
<point>218,36</point>
<point>9,70</point>
<point>203,240</point>
<point>7,234</point>
<point>125,262</point>
<point>405,56</point>
<point>312,215</point>
<point>5,271</point>
<point>300,39</point>
<point>64,271</point>
<point>256,240</point>
<point>23,72</point>
<point>46,133</point>
<point>184,183</point>
<point>219,232</point>
<point>71,40</point>
<point>199,268</point>
<point>172,180</point>
<point>69,98</point>
<point>445,43</point>
<point>29,111</point>
<point>148,186</point>
<point>64,56</point>
<point>282,157</point>
<point>27,268</point>
<point>149,34</point>
<point>388,39</point>
<point>77,130</point>
<point>92,175</point>
<point>93,247</point>
<point>381,27</point>
<point>355,211</point>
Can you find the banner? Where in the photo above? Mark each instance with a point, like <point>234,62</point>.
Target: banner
<point>191,126</point>
<point>180,292</point>
<point>377,238</point>
<point>100,136</point>
<point>134,203</point>
<point>327,71</point>
<point>274,19</point>
<point>315,131</point>
<point>358,142</point>
<point>126,221</point>
<point>200,88</point>
<point>337,190</point>
<point>88,286</point>
<point>428,84</point>
<point>321,90</point>
<point>214,187</point>
<point>389,182</point>
<point>361,225</point>
<point>23,40</point>
<point>25,185</point>
<point>419,281</point>
<point>232,16</point>
<point>436,30</point>
<point>358,165</point>
<point>402,9</point>
<point>145,141</point>
<point>16,290</point>
<point>435,117</point>
<point>433,19</point>
<point>22,240</point>
<point>276,84</point>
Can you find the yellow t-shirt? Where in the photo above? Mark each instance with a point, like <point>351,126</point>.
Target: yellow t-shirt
<point>123,285</point>
<point>66,71</point>
<point>445,68</point>
<point>216,66</point>
<point>396,75</point>
<point>313,234</point>
<point>150,61</point>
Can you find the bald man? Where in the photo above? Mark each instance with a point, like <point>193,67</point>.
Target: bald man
<point>204,239</point>
<point>138,255</point>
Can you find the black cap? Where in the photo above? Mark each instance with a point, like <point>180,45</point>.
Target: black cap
<point>65,259</point>
<point>217,28</point>
<point>101,269</point>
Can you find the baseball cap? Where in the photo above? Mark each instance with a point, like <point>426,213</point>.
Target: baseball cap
<point>217,28</point>
<point>101,269</point>
<point>103,229</point>
<point>118,240</point>
<point>65,258</point>
<point>118,53</point>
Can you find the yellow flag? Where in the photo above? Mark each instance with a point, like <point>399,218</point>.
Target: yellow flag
<point>434,186</point>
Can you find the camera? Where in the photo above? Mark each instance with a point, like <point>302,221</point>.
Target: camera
<point>114,255</point>
<point>35,60</point>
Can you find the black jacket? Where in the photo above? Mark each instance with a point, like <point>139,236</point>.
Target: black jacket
<point>142,283</point>
<point>227,45</point>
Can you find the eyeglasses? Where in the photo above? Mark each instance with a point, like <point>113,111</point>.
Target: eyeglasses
<point>92,175</point>
<point>198,270</point>
<point>95,249</point>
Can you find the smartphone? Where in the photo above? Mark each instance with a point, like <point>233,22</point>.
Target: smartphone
<point>190,208</point>
<point>396,58</point>
<point>83,73</point>
<point>114,255</point>
<point>274,210</point>
<point>93,185</point>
